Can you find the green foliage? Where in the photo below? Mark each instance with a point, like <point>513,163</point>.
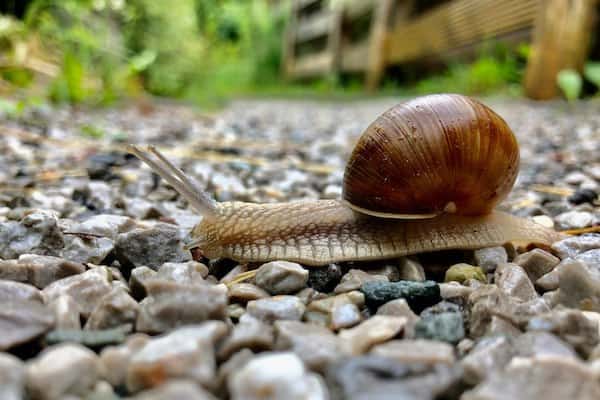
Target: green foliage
<point>592,73</point>
<point>570,82</point>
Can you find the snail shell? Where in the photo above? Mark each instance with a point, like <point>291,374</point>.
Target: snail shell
<point>432,154</point>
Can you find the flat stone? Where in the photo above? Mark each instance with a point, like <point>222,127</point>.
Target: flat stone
<point>277,307</point>
<point>539,379</point>
<point>281,277</point>
<point>116,308</point>
<point>375,330</point>
<point>151,247</point>
<point>89,338</point>
<point>400,308</point>
<point>10,290</point>
<point>66,313</point>
<point>453,290</point>
<point>22,321</point>
<point>37,270</point>
<point>499,326</point>
<point>114,360</point>
<point>245,292</point>
<point>446,327</point>
<point>513,280</point>
<point>86,249</point>
<point>542,344</point>
<point>462,272</point>
<point>137,281</point>
<point>12,378</point>
<point>489,258</point>
<point>186,353</point>
<point>281,375</point>
<point>375,377</point>
<point>355,278</point>
<point>574,220</point>
<point>175,390</point>
<point>572,246</point>
<point>324,279</point>
<point>66,369</point>
<point>248,333</point>
<point>36,233</point>
<point>419,295</point>
<point>107,225</point>
<point>316,346</point>
<point>328,304</point>
<point>578,287</point>
<point>189,272</point>
<point>592,259</point>
<point>410,270</point>
<point>427,352</point>
<point>345,316</point>
<point>489,357</point>
<point>170,305</point>
<point>537,263</point>
<point>85,288</point>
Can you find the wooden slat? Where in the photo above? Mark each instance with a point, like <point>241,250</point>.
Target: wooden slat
<point>313,27</point>
<point>312,65</point>
<point>354,57</point>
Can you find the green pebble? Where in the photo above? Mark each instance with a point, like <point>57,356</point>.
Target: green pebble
<point>418,295</point>
<point>463,272</point>
<point>92,338</point>
<point>445,327</point>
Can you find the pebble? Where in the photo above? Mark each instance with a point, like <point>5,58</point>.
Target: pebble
<point>36,233</point>
<point>86,288</point>
<point>428,352</point>
<point>87,249</point>
<point>328,304</point>
<point>185,353</point>
<point>489,258</point>
<point>400,308</point>
<point>316,346</point>
<point>573,245</point>
<point>170,305</point>
<point>22,321</point>
<point>419,295</point>
<point>578,287</point>
<point>137,281</point>
<point>151,247</point>
<point>37,270</point>
<point>10,290</point>
<point>592,259</point>
<point>375,330</point>
<point>245,292</point>
<point>539,379</point>
<point>107,225</point>
<point>281,277</point>
<point>446,327</point>
<point>12,377</point>
<point>537,263</point>
<point>375,377</point>
<point>355,278</point>
<point>410,270</point>
<point>249,333</point>
<point>90,338</point>
<point>277,307</point>
<point>114,360</point>
<point>116,308</point>
<point>489,357</point>
<point>66,313</point>
<point>276,376</point>
<point>542,344</point>
<point>454,290</point>
<point>324,279</point>
<point>574,220</point>
<point>62,370</point>
<point>344,316</point>
<point>174,390</point>
<point>462,272</point>
<point>513,280</point>
<point>190,272</point>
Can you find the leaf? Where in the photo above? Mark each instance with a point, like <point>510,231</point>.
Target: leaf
<point>591,72</point>
<point>570,83</point>
<point>141,61</point>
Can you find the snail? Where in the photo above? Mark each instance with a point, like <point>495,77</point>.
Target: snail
<point>424,176</point>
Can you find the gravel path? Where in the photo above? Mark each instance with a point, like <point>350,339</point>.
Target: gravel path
<point>100,300</point>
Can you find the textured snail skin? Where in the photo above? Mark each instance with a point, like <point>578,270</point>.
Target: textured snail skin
<point>325,231</point>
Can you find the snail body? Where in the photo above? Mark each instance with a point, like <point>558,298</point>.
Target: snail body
<point>423,177</point>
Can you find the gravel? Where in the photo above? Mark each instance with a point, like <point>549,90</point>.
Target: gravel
<point>92,262</point>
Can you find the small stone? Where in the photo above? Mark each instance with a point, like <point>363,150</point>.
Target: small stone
<point>85,288</point>
<point>513,280</point>
<point>281,277</point>
<point>186,353</point>
<point>86,249</point>
<point>572,246</point>
<point>446,327</point>
<point>107,225</point>
<point>539,379</point>
<point>16,291</point>
<point>88,338</point>
<point>462,272</point>
<point>245,292</point>
<point>276,308</point>
<point>542,344</point>
<point>537,263</point>
<point>66,369</point>
<point>12,377</point>
<point>427,352</point>
<point>410,270</point>
<point>592,259</point>
<point>327,305</point>
<point>170,305</point>
<point>235,311</point>
<point>226,369</point>
<point>489,357</point>
<point>114,309</point>
<point>249,333</point>
<point>35,233</point>
<point>578,287</point>
<point>489,258</point>
<point>308,295</point>
<point>66,313</point>
<point>174,390</point>
<point>40,271</point>
<point>453,290</point>
<point>276,376</point>
<point>137,280</point>
<point>344,316</point>
<point>190,272</point>
<point>400,308</point>
<point>543,220</point>
<point>324,279</point>
<point>151,247</point>
<point>316,346</point>
<point>375,330</point>
<point>574,220</point>
<point>373,377</point>
<point>499,326</point>
<point>22,321</point>
<point>419,295</point>
<point>114,360</point>
<point>390,271</point>
<point>355,278</point>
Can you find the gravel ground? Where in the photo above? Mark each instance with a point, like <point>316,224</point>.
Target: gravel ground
<point>101,301</point>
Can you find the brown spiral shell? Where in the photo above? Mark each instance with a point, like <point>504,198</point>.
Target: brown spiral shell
<point>434,154</point>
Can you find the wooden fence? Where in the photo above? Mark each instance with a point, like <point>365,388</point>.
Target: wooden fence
<point>367,36</point>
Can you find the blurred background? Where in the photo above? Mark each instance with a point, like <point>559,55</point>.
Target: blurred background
<point>97,52</point>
